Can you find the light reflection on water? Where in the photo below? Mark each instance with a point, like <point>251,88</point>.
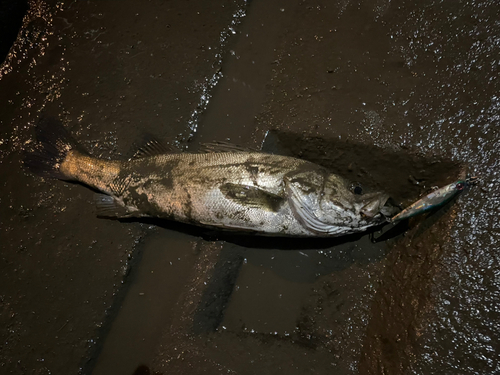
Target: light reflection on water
<point>460,118</point>
<point>206,88</point>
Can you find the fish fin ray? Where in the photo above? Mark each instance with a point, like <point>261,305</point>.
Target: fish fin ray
<point>53,144</point>
<point>251,196</point>
<point>152,147</point>
<point>220,146</point>
<point>108,206</point>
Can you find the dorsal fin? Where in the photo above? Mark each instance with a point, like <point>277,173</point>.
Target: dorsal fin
<point>220,146</point>
<point>152,147</point>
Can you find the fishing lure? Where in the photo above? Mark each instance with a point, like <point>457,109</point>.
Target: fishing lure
<point>435,199</point>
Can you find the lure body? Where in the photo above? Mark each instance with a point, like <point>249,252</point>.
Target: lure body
<point>434,200</point>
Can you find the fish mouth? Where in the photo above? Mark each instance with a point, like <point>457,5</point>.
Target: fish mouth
<point>376,204</point>
<point>390,209</point>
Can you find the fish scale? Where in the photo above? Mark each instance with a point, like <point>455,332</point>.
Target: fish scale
<point>196,189</point>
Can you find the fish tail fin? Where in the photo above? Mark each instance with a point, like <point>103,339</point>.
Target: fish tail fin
<point>54,143</point>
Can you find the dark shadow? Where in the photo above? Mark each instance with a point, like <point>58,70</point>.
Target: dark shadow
<point>120,294</point>
<point>144,370</point>
<point>390,231</point>
<point>11,20</point>
<point>404,175</point>
<point>251,240</point>
<point>210,311</point>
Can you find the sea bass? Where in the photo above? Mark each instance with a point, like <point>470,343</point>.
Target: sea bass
<point>234,190</point>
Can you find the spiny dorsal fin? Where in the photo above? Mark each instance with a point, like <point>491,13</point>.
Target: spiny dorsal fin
<point>251,196</point>
<point>151,148</point>
<point>220,146</point>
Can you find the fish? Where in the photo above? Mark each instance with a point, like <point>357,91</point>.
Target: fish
<point>435,199</point>
<point>223,187</point>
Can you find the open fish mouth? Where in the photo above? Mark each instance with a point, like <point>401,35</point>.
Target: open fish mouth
<point>372,204</point>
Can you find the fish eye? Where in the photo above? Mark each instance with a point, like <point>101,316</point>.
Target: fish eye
<point>460,186</point>
<point>358,190</point>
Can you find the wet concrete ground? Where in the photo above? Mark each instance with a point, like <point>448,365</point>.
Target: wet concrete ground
<point>394,95</point>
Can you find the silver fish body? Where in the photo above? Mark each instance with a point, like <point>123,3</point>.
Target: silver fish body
<point>245,191</point>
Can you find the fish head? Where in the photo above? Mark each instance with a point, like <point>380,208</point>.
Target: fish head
<point>362,209</point>
<point>323,203</point>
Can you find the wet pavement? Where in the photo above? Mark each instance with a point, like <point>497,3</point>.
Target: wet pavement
<point>393,95</point>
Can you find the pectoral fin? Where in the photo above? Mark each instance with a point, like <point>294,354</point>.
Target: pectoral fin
<point>251,196</point>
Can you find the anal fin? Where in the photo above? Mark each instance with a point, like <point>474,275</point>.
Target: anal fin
<point>108,206</point>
